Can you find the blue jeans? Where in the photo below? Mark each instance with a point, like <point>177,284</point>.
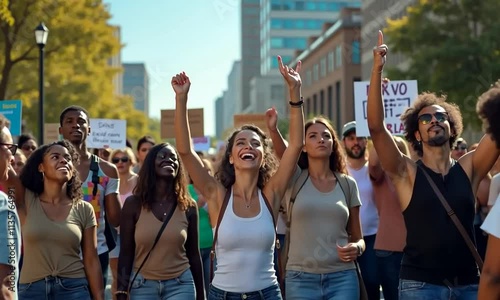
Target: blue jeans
<point>271,293</point>
<point>180,288</point>
<point>54,288</point>
<point>369,270</point>
<point>417,290</point>
<point>341,285</point>
<point>389,264</point>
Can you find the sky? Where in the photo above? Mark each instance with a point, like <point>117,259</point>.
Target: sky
<point>200,37</point>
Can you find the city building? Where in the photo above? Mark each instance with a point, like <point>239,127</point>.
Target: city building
<point>233,95</point>
<point>265,92</point>
<point>250,48</point>
<point>330,65</point>
<point>116,63</point>
<point>136,84</point>
<point>219,116</point>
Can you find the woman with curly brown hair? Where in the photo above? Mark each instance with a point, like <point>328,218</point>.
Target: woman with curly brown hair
<point>437,263</point>
<point>245,184</point>
<point>171,269</point>
<point>325,230</point>
<point>56,226</point>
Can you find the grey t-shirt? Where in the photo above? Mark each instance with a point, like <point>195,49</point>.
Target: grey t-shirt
<point>319,220</point>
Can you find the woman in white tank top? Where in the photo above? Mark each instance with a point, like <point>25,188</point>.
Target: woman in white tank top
<point>246,178</point>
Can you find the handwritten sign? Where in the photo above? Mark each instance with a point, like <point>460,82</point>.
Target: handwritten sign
<point>12,110</point>
<point>107,133</point>
<point>196,125</point>
<point>201,143</point>
<point>258,120</point>
<point>397,96</point>
<point>51,132</point>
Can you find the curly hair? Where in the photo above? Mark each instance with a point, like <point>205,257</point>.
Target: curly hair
<point>488,109</point>
<point>32,179</point>
<point>145,190</point>
<point>410,118</point>
<point>225,173</point>
<point>337,159</point>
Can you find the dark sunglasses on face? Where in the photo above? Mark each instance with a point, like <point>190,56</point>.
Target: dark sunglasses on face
<point>12,147</point>
<point>28,148</point>
<point>460,147</point>
<point>427,118</point>
<point>116,160</point>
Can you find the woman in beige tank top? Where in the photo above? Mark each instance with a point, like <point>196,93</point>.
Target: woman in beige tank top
<point>173,269</point>
<point>59,229</point>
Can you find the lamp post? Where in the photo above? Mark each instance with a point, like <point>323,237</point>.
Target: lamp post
<point>41,34</point>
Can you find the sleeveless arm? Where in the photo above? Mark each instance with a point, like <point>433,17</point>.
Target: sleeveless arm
<point>111,202</point>
<point>91,263</point>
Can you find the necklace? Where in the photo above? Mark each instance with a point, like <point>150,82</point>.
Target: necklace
<point>248,204</point>
<point>164,212</point>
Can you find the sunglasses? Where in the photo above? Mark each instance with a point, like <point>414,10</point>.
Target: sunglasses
<point>460,147</point>
<point>427,118</point>
<point>116,160</point>
<point>28,148</point>
<point>12,147</point>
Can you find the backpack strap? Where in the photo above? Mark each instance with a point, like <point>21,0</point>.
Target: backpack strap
<point>94,168</point>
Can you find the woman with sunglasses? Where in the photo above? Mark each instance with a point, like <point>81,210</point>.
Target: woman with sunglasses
<point>124,160</point>
<point>27,143</point>
<point>58,227</point>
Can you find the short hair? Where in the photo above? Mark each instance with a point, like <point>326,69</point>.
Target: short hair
<point>23,138</point>
<point>488,109</point>
<point>4,122</point>
<point>145,139</point>
<point>72,108</point>
<point>410,118</point>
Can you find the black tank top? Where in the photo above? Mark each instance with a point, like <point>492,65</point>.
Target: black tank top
<point>435,251</point>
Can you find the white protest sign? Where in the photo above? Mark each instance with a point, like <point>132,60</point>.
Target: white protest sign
<point>201,143</point>
<point>397,95</point>
<point>107,133</point>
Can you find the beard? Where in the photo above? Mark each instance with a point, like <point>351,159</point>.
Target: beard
<point>438,141</point>
<point>353,155</point>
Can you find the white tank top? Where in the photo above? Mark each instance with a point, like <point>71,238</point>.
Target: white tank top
<point>245,251</point>
<point>368,212</point>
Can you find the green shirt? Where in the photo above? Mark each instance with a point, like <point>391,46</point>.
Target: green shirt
<point>205,229</point>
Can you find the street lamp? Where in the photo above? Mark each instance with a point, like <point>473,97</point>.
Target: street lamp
<point>41,34</point>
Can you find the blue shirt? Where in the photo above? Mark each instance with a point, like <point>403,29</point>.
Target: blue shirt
<point>10,237</point>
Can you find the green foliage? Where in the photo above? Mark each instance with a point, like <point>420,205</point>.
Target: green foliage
<point>453,48</point>
<point>5,14</point>
<point>79,46</point>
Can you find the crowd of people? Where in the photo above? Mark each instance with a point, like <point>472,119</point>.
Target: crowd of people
<point>320,216</point>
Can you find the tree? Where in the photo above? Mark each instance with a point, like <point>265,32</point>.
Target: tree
<point>452,46</point>
<point>77,72</point>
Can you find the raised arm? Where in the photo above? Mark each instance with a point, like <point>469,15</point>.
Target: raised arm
<point>279,182</point>
<point>480,160</point>
<point>279,143</point>
<point>374,168</point>
<point>111,202</point>
<point>391,159</point>
<point>206,184</point>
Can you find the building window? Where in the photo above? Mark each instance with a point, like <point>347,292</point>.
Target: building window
<point>355,53</point>
<point>289,43</point>
<point>322,67</point>
<point>274,61</point>
<point>338,57</point>
<point>315,105</point>
<point>315,72</point>
<point>308,77</point>
<point>277,92</point>
<point>331,61</point>
<point>329,100</point>
<point>338,103</point>
<point>321,102</point>
<point>308,107</point>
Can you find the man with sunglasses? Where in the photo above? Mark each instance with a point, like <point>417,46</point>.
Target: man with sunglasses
<point>10,233</point>
<point>437,262</point>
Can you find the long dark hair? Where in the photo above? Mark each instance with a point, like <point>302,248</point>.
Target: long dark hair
<point>32,179</point>
<point>337,158</point>
<point>145,190</point>
<point>225,173</point>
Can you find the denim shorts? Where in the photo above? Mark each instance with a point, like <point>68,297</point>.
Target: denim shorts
<point>271,293</point>
<point>52,288</point>
<point>179,288</point>
<point>342,285</point>
<point>418,290</point>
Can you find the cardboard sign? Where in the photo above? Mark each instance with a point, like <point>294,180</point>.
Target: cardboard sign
<point>201,143</point>
<point>397,95</point>
<point>51,133</point>
<point>13,111</point>
<point>258,120</point>
<point>196,124</point>
<point>107,133</point>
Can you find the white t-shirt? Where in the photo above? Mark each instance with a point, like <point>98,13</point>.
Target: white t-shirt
<point>491,224</point>
<point>494,189</point>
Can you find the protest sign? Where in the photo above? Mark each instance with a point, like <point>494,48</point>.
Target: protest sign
<point>196,124</point>
<point>107,133</point>
<point>12,110</point>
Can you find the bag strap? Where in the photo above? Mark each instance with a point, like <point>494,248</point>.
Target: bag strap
<point>160,232</point>
<point>455,220</point>
<point>94,168</point>
<point>216,234</point>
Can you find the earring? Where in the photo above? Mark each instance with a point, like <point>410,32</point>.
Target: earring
<point>43,176</point>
